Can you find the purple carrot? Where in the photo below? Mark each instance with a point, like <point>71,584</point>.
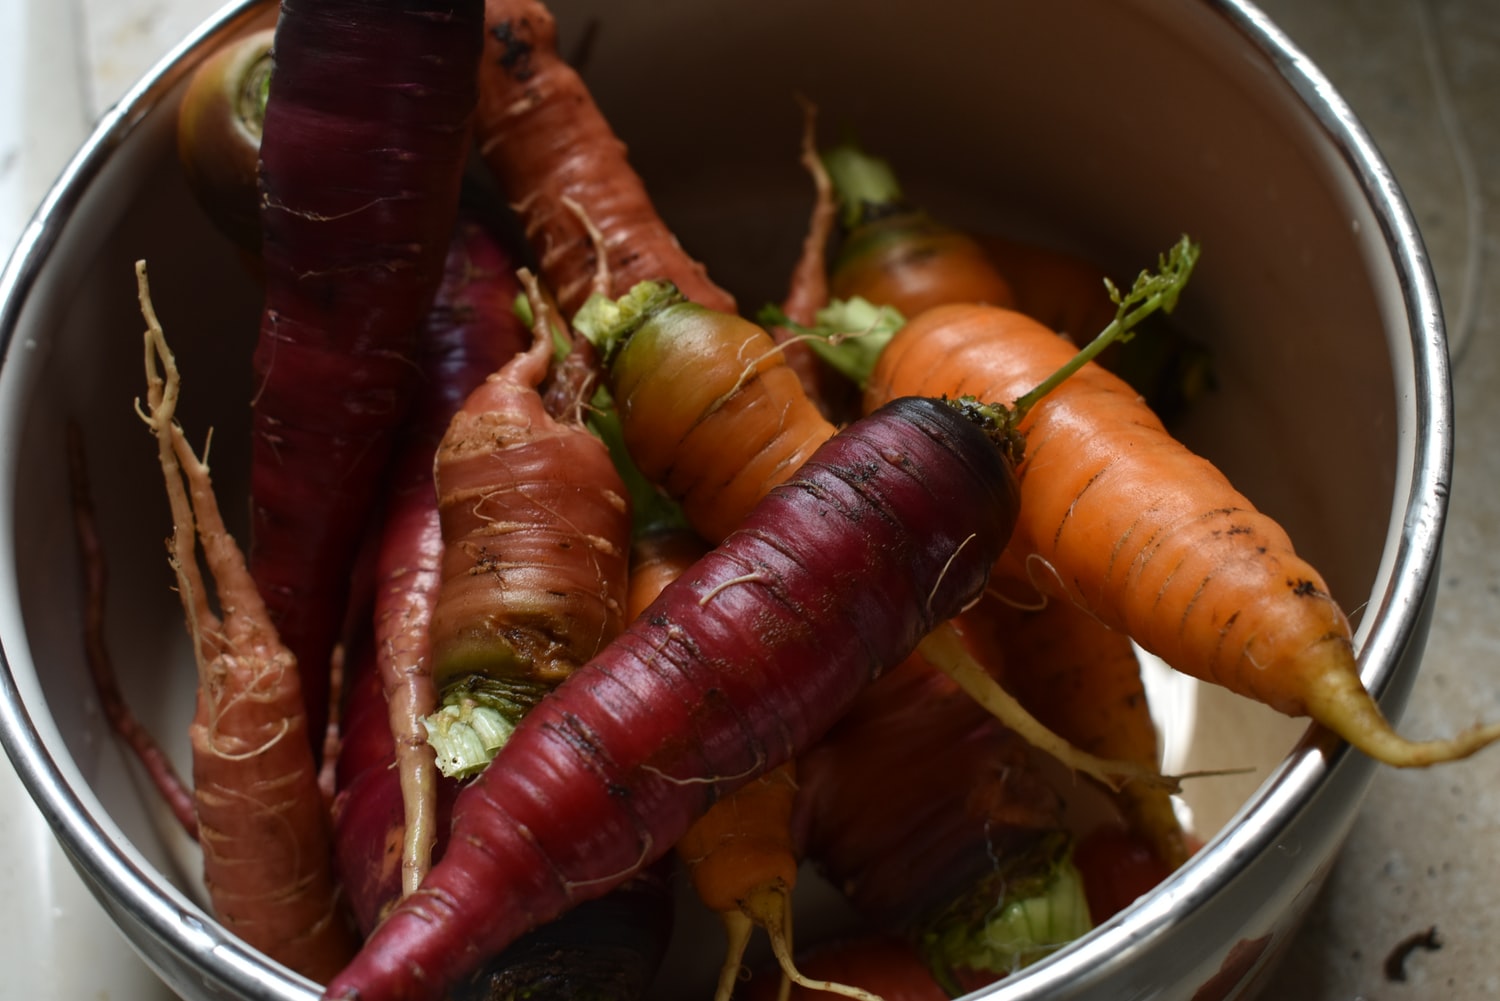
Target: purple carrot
<point>891,527</point>
<point>365,139</point>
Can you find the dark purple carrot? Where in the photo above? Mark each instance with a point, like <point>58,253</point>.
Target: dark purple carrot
<point>744,660</point>
<point>365,138</point>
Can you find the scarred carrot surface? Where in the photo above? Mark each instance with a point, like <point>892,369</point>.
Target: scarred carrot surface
<point>536,522</point>
<point>470,331</point>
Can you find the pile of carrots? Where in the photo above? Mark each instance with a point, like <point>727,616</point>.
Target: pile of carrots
<point>569,579</point>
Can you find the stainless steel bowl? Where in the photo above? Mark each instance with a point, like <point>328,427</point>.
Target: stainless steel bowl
<point>1107,125</point>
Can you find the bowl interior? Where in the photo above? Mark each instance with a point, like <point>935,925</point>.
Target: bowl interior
<point>1110,141</point>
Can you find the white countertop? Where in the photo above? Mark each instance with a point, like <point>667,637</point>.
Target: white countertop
<point>1424,77</point>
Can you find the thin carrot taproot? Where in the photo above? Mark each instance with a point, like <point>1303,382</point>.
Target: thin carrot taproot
<point>362,150</point>
<point>807,288</point>
<point>740,663</point>
<point>563,168</point>
<point>112,703</point>
<point>260,813</point>
<point>1122,519</point>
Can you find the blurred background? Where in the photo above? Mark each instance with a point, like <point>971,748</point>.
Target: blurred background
<point>1411,909</point>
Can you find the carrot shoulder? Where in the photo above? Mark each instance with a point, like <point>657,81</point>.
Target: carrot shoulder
<point>1124,520</point>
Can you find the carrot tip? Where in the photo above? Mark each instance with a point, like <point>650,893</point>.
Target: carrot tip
<point>1341,704</point>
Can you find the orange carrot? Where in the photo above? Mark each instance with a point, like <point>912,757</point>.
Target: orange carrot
<point>261,821</point>
<point>1120,518</point>
<point>563,168</point>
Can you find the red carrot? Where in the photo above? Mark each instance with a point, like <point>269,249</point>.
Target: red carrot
<point>365,138</point>
<point>564,169</point>
<point>608,949</point>
<point>712,413</point>
<point>740,854</point>
<point>743,661</point>
<point>261,821</point>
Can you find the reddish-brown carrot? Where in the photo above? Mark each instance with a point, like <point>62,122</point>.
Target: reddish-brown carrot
<point>470,331</point>
<point>261,820</point>
<point>562,166</point>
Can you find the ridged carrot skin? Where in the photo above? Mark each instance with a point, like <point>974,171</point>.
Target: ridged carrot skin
<point>1120,518</point>
<point>366,134</point>
<point>564,170</point>
<point>741,663</point>
<point>1211,601</point>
